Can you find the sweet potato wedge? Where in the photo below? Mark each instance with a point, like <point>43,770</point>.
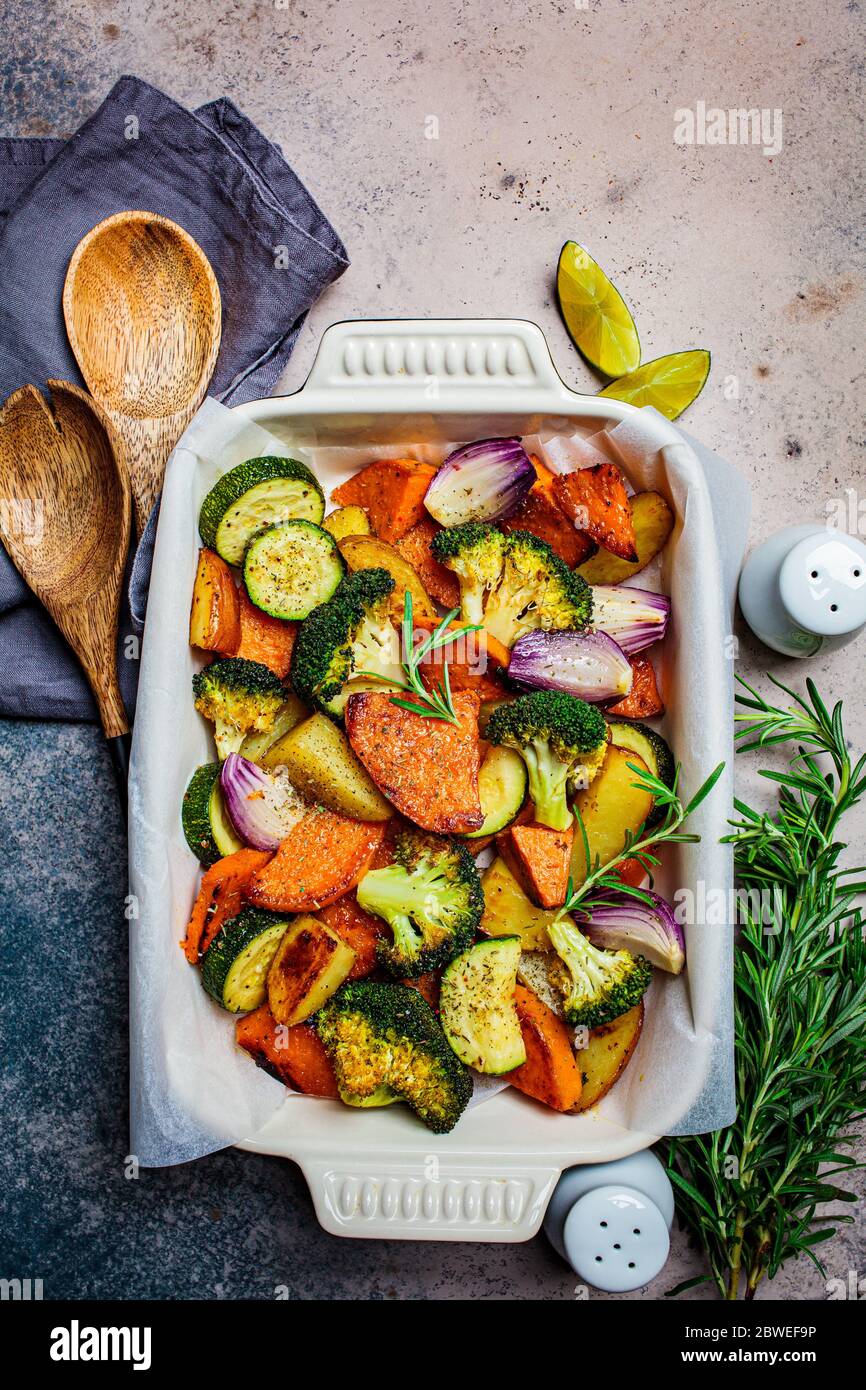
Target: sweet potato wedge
<point>359,929</point>
<point>550,1073</point>
<point>321,858</point>
<point>296,1056</point>
<point>220,898</point>
<point>643,701</point>
<point>596,500</point>
<point>475,662</point>
<point>439,582</point>
<point>541,514</point>
<point>543,859</point>
<point>214,618</point>
<point>263,638</point>
<point>392,493</point>
<point>607,1054</point>
<point>653,522</point>
<point>426,768</point>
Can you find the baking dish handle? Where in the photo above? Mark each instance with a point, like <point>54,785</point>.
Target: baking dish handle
<point>433,1197</point>
<point>437,361</point>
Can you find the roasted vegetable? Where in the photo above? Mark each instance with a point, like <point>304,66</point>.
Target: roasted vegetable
<point>392,493</point>
<point>349,634</point>
<point>651,749</point>
<point>603,984</point>
<point>634,618</point>
<point>561,739</point>
<point>541,514</point>
<point>535,589</point>
<point>322,857</point>
<point>501,790</point>
<point>368,552</point>
<point>214,619</point>
<point>254,495</point>
<point>347,521</point>
<point>295,1056</point>
<point>431,898</point>
<point>643,700</point>
<point>206,827</point>
<point>508,909</point>
<point>359,929</point>
<point>607,1054</point>
<point>438,582</point>
<point>427,768</point>
<point>615,803</point>
<point>597,502</point>
<point>476,1006</point>
<point>484,481</point>
<point>239,697</point>
<point>588,664</point>
<point>290,568</point>
<point>386,1036</point>
<point>311,962</point>
<point>256,746</point>
<point>541,859</point>
<point>262,807</point>
<point>219,898</point>
<point>648,929</point>
<point>550,1073</point>
<point>653,522</point>
<point>235,968</point>
<point>475,553</point>
<point>321,764</point>
<point>263,638</point>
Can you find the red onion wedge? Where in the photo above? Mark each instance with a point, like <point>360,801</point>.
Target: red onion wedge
<point>485,481</point>
<point>262,806</point>
<point>588,664</point>
<point>627,924</point>
<point>635,618</point>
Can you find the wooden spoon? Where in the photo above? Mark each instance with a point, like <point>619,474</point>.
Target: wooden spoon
<point>65,521</point>
<point>143,315</point>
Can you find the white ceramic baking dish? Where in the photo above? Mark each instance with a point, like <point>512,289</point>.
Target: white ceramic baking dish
<point>381,1173</point>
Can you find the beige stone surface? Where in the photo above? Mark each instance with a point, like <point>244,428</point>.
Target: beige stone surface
<point>554,122</point>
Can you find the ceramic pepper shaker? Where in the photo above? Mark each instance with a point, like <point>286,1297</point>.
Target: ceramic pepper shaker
<point>611,1221</point>
<point>804,590</point>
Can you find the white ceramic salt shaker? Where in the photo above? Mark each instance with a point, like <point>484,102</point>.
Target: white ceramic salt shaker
<point>803,591</point>
<point>611,1221</point>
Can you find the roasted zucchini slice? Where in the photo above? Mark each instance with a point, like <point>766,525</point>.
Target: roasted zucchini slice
<point>291,568</point>
<point>477,1009</point>
<point>254,495</point>
<point>208,830</point>
<point>235,968</point>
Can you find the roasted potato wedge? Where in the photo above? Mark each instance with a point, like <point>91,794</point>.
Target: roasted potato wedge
<point>607,1054</point>
<point>347,521</point>
<point>323,767</point>
<point>312,961</point>
<point>366,553</point>
<point>609,807</point>
<point>508,911</point>
<point>653,522</point>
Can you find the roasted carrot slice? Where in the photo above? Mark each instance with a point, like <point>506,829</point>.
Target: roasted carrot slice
<point>321,858</point>
<point>543,859</point>
<point>219,898</point>
<point>550,1073</point>
<point>643,701</point>
<point>392,491</point>
<point>438,581</point>
<point>359,929</point>
<point>541,514</point>
<point>596,500</point>
<point>263,638</point>
<point>295,1056</point>
<point>214,621</point>
<point>426,767</point>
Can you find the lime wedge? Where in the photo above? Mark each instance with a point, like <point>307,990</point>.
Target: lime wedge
<point>669,383</point>
<point>595,313</point>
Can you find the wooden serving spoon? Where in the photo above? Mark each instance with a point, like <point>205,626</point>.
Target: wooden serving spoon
<point>143,316</point>
<point>65,521</point>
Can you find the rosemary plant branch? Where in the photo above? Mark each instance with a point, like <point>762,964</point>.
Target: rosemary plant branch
<point>438,702</point>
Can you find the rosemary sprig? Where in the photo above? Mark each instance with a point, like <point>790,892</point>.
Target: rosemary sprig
<point>642,845</point>
<point>750,1193</point>
<point>436,703</point>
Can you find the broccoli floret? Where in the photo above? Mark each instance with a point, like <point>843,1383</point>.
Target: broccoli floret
<point>604,984</point>
<point>383,1037</point>
<point>239,697</point>
<point>536,589</point>
<point>562,741</point>
<point>432,899</point>
<point>476,553</point>
<point>351,632</point>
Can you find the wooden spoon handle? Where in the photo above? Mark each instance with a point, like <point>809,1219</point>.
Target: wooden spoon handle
<point>145,445</point>
<point>106,692</point>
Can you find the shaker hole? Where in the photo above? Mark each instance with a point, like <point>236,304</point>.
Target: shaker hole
<point>617,1247</point>
<point>603,1225</point>
<point>598,1259</point>
<point>834,607</point>
<point>814,574</point>
<point>631,1264</point>
<point>636,1231</point>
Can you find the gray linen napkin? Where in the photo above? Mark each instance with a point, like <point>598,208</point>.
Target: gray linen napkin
<point>272,250</point>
